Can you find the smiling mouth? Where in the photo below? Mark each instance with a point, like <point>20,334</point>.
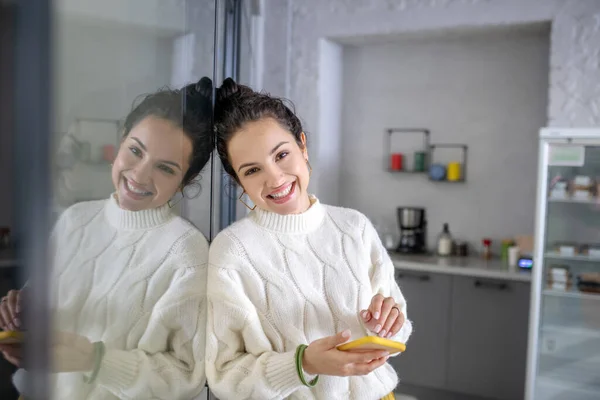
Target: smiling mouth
<point>283,193</point>
<point>133,190</point>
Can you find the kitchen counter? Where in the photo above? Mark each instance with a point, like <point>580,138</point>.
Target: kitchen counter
<point>464,266</point>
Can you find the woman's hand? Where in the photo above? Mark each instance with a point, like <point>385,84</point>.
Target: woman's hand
<point>322,357</point>
<point>10,308</point>
<point>70,352</point>
<point>13,353</point>
<point>383,316</point>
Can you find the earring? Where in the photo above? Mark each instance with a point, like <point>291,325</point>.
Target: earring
<point>309,168</point>
<point>173,204</point>
<point>244,203</point>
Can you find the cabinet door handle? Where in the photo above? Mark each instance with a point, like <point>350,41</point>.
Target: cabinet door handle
<point>491,285</point>
<point>420,277</point>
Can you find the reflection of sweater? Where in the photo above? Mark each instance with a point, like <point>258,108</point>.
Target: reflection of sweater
<point>136,281</point>
<point>277,281</point>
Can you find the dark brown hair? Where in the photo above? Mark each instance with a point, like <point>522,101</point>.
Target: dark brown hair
<point>190,109</point>
<point>237,105</point>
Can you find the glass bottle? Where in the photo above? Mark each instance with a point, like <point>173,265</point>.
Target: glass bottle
<point>444,243</point>
<point>487,248</point>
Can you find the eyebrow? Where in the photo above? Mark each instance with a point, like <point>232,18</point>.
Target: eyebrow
<point>173,163</point>
<point>271,153</point>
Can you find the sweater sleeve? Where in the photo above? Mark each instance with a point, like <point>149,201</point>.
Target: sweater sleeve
<point>169,360</point>
<point>383,281</point>
<point>241,362</point>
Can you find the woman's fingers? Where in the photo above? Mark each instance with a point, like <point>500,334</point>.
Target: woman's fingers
<point>386,315</point>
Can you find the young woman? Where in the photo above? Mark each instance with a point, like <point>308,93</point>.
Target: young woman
<point>129,276</point>
<point>295,272</point>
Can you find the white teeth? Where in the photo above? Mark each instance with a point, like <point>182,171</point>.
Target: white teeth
<point>283,193</point>
<point>134,190</point>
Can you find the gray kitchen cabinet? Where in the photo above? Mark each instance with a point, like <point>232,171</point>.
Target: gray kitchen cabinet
<point>428,304</point>
<point>488,337</point>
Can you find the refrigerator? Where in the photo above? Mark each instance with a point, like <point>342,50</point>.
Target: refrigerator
<point>563,360</point>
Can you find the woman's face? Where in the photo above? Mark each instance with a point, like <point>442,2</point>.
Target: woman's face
<point>151,163</point>
<point>271,166</point>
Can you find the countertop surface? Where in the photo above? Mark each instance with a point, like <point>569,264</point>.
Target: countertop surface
<point>464,266</point>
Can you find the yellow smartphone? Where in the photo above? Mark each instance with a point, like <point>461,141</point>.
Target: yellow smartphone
<point>11,337</point>
<point>373,343</point>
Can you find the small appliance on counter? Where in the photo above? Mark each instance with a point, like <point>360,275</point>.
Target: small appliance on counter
<point>525,262</point>
<point>412,224</point>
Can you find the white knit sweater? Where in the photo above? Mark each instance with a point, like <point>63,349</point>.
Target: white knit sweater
<point>277,281</point>
<point>136,281</point>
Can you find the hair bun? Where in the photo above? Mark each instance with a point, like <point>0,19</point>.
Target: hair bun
<point>200,90</point>
<point>204,87</point>
<point>228,89</point>
<point>198,97</point>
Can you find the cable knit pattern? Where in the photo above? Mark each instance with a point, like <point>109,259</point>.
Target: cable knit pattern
<point>136,281</point>
<point>277,281</point>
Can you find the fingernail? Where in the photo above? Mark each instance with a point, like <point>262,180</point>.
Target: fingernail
<point>387,357</point>
<point>18,322</point>
<point>377,328</point>
<point>346,333</point>
<point>376,315</point>
<point>389,335</point>
<point>364,314</point>
<point>12,327</point>
<point>382,333</point>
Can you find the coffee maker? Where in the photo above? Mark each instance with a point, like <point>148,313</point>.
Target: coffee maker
<point>412,224</point>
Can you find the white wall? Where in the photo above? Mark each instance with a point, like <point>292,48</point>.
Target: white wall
<point>166,17</point>
<point>484,89</point>
<point>99,71</point>
<point>326,147</point>
<point>293,29</point>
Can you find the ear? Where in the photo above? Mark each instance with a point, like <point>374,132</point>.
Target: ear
<point>304,148</point>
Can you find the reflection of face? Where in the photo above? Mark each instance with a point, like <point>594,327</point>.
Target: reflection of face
<point>151,163</point>
<point>271,166</point>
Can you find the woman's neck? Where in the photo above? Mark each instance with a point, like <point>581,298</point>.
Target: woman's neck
<point>142,219</point>
<point>302,222</point>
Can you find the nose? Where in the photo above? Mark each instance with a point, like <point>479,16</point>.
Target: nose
<point>141,173</point>
<point>275,176</point>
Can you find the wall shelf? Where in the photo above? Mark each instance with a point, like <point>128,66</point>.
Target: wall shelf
<point>573,200</point>
<point>425,149</point>
<point>463,162</point>
<point>401,171</point>
<point>428,150</point>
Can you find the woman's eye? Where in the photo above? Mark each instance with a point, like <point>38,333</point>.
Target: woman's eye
<point>168,170</point>
<point>251,171</point>
<point>281,155</point>
<point>135,151</point>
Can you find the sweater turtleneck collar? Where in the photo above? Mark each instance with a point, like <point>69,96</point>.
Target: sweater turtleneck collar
<point>304,222</point>
<point>143,219</point>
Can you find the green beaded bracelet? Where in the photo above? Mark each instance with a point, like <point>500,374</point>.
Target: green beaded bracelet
<point>299,355</point>
<point>99,351</point>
